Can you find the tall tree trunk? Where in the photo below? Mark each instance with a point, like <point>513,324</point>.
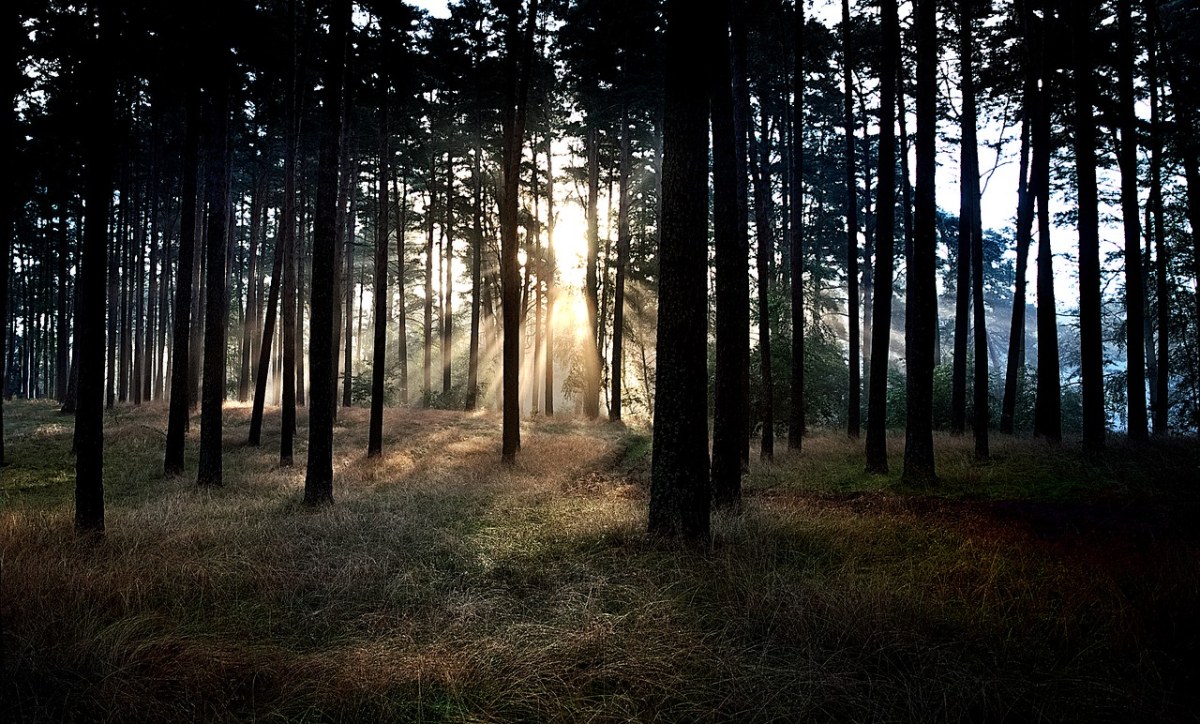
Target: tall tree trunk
<point>1047,418</point>
<point>476,264</point>
<point>177,415</point>
<point>971,211</point>
<point>551,291</point>
<point>591,288</point>
<point>730,401</point>
<point>517,78</point>
<point>742,128</point>
<point>885,225</point>
<point>448,278</point>
<point>401,193</point>
<point>618,335</point>
<point>318,479</point>
<point>348,358</point>
<point>1135,293</point>
<point>854,399</point>
<point>1015,360</point>
<point>1157,232</point>
<point>149,354</point>
<point>921,311</point>
<point>679,486</point>
<point>379,356</point>
<point>796,413</point>
<point>431,214</point>
<point>250,318</point>
<point>98,152</point>
<point>1091,338</point>
<point>209,471</point>
<point>287,239</point>
<point>764,229</point>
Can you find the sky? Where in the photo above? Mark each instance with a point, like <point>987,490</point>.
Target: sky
<point>436,8</point>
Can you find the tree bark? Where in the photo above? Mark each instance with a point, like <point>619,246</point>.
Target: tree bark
<point>764,230</point>
<point>518,62</point>
<point>921,311</point>
<point>177,415</point>
<point>885,230</point>
<point>1135,293</point>
<point>97,132</point>
<point>209,472</point>
<point>379,356</point>
<point>318,479</point>
<point>854,399</point>
<point>618,335</point>
<point>730,402</point>
<point>1091,339</point>
<point>679,484</point>
<point>796,413</point>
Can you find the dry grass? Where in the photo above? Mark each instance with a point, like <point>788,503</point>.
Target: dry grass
<point>443,587</point>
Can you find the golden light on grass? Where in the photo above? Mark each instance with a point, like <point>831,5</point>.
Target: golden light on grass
<point>444,586</point>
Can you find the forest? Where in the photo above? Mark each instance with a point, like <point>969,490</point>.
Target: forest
<point>606,360</point>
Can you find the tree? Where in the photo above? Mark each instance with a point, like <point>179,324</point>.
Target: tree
<point>1047,418</point>
<point>518,62</point>
<point>318,479</point>
<point>885,205</point>
<point>921,312</point>
<point>216,123</point>
<point>177,421</point>
<point>853,423</point>
<point>379,358</point>
<point>971,227</point>
<point>679,487</point>
<point>1135,295</point>
<point>98,128</point>
<point>796,413</point>
<point>1091,339</point>
<point>731,396</point>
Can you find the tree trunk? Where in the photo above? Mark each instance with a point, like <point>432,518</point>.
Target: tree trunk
<point>209,471</point>
<point>591,288</point>
<point>921,311</point>
<point>551,291</point>
<point>177,416</point>
<point>431,214</point>
<point>1047,418</point>
<point>250,317</point>
<point>618,335</point>
<point>853,422</point>
<point>476,264</point>
<point>448,278</point>
<point>402,309</point>
<point>516,95</point>
<point>1134,292</point>
<point>759,160</point>
<point>679,487</point>
<point>1161,392</point>
<point>1015,360</point>
<point>98,133</point>
<point>1091,339</point>
<point>796,413</point>
<point>971,211</point>
<point>318,479</point>
<point>730,402</point>
<point>379,356</point>
<point>885,225</point>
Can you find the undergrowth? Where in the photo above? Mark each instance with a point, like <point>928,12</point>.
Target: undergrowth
<point>442,586</point>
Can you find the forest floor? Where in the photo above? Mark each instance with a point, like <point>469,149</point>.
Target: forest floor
<point>1046,584</point>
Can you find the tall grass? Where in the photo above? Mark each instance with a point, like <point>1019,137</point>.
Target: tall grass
<point>444,587</point>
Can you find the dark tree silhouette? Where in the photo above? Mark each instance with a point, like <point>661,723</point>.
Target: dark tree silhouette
<point>730,405</point>
<point>679,487</point>
<point>885,225</point>
<point>921,312</point>
<point>99,157</point>
<point>318,479</point>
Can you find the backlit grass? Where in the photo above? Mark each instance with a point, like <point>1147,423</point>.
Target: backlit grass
<point>442,586</point>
